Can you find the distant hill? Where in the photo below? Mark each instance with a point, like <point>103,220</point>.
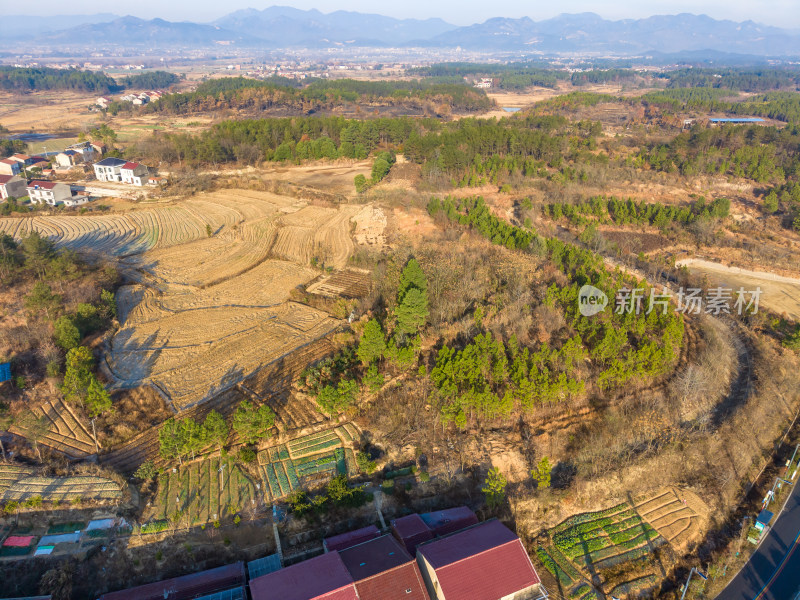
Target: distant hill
<point>18,27</point>
<point>588,32</point>
<point>285,27</point>
<point>132,31</point>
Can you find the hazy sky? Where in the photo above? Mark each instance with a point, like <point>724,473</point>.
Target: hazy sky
<point>784,13</point>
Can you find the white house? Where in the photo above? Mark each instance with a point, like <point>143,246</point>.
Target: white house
<point>11,186</point>
<point>108,169</point>
<point>76,201</point>
<point>103,102</point>
<point>134,173</point>
<point>48,192</point>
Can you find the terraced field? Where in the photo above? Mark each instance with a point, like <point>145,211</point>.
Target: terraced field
<point>678,518</point>
<point>66,433</point>
<point>204,491</point>
<point>20,483</point>
<point>270,385</point>
<point>308,460</point>
<point>591,545</point>
<point>349,283</point>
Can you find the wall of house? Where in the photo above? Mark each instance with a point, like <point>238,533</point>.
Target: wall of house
<point>429,577</point>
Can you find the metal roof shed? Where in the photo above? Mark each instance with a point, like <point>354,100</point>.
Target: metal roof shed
<point>187,586</point>
<point>447,521</point>
<point>411,531</point>
<point>350,538</point>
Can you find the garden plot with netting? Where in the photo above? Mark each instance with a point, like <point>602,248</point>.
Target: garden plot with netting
<point>308,460</point>
<point>596,544</point>
<point>203,491</point>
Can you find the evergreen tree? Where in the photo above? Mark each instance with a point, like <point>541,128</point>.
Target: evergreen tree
<point>372,345</point>
<point>253,424</point>
<point>98,399</point>
<point>542,473</point>
<point>216,428</point>
<point>78,374</point>
<point>495,488</point>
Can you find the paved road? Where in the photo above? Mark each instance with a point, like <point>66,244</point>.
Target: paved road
<point>773,572</point>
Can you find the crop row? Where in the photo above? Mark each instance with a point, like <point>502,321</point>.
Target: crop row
<point>301,443</point>
<point>550,564</point>
<point>317,448</point>
<point>591,516</point>
<point>636,585</point>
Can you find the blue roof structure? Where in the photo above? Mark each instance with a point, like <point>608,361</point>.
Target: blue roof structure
<point>262,566</point>
<point>764,517</point>
<point>232,594</point>
<point>5,372</point>
<point>737,120</point>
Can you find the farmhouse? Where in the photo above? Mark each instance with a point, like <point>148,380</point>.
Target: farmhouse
<point>134,173</point>
<point>11,187</point>
<point>323,577</point>
<point>48,192</point>
<point>84,149</point>
<point>383,570</point>
<point>9,167</point>
<point>24,159</point>
<point>68,158</point>
<point>76,201</point>
<point>458,566</point>
<point>108,169</point>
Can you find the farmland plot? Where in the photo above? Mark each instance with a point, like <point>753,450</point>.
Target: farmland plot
<point>589,544</point>
<point>349,283</point>
<point>204,491</point>
<point>19,484</point>
<point>308,460</point>
<point>66,433</point>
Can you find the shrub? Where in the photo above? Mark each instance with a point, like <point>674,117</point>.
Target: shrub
<point>424,476</point>
<point>246,455</point>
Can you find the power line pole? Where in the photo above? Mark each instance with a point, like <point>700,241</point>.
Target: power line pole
<point>94,432</point>
<point>686,587</point>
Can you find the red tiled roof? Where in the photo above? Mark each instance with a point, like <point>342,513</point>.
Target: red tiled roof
<point>463,562</point>
<point>129,165</point>
<point>321,578</point>
<point>394,584</point>
<point>45,185</point>
<point>351,538</point>
<point>9,161</point>
<point>4,179</point>
<point>412,531</point>
<point>383,570</point>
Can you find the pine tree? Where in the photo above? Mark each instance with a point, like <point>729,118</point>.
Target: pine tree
<point>495,488</point>
<point>78,374</point>
<point>542,473</point>
<point>98,399</point>
<point>373,343</point>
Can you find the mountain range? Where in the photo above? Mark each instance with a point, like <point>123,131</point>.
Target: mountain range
<point>280,27</point>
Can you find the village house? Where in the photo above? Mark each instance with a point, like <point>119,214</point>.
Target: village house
<point>103,102</point>
<point>321,578</point>
<point>84,149</point>
<point>134,173</point>
<point>76,201</point>
<point>9,167</point>
<point>98,147</point>
<point>12,186</point>
<point>483,562</point>
<point>24,159</point>
<point>68,158</point>
<point>108,169</point>
<point>48,192</point>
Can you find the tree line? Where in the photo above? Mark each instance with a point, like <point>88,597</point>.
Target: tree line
<point>259,95</point>
<point>25,79</point>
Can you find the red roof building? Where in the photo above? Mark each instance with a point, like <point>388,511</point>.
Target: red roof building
<point>484,562</point>
<point>411,531</point>
<point>185,587</point>
<point>321,578</point>
<point>350,538</point>
<point>383,570</point>
<point>447,521</point>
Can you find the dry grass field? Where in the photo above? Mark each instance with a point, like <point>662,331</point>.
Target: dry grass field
<point>210,279</point>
